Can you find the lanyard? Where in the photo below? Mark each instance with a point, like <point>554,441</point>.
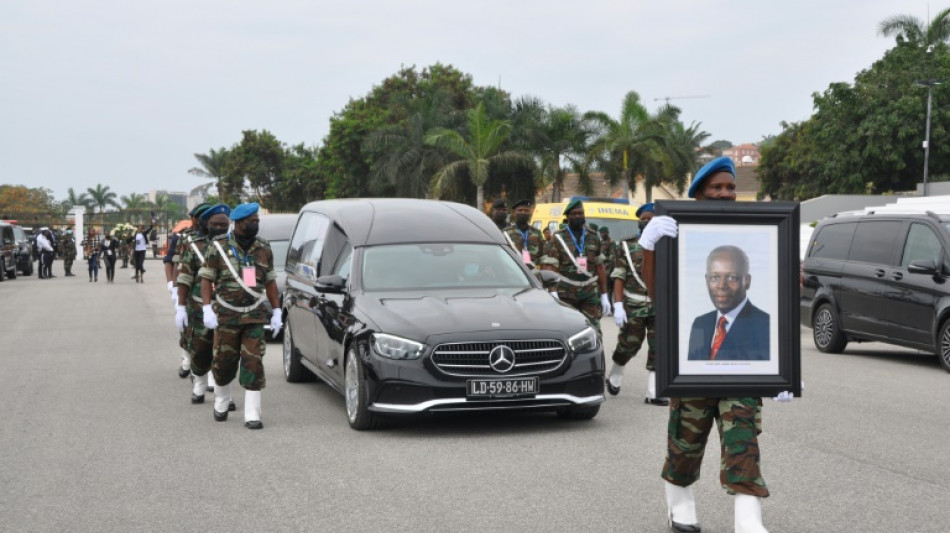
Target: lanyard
<point>524,237</point>
<point>578,247</point>
<point>236,256</point>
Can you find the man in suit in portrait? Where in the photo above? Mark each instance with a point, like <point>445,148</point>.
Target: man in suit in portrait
<point>736,330</point>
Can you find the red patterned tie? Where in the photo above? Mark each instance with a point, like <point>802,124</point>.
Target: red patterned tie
<point>718,338</point>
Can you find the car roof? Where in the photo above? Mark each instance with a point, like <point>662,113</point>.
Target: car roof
<point>885,215</point>
<point>374,221</point>
<point>277,226</point>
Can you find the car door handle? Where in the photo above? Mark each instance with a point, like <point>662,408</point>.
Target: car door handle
<point>879,272</point>
<point>897,276</point>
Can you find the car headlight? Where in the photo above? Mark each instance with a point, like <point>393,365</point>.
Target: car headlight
<point>585,341</point>
<point>397,347</point>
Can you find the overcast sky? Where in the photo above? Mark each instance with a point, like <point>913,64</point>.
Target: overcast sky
<point>124,93</point>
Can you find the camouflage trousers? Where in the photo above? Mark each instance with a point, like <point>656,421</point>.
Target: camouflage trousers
<point>239,345</point>
<point>584,299</point>
<point>68,265</point>
<point>199,342</point>
<point>739,421</point>
<point>630,338</point>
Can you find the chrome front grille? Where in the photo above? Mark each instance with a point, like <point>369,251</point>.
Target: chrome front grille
<point>471,359</point>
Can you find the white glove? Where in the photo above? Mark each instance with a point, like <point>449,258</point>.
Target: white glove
<point>554,295</point>
<point>275,322</point>
<point>181,317</point>
<point>209,318</point>
<point>620,316</point>
<point>784,396</point>
<point>659,227</point>
<point>171,287</point>
<point>173,291</point>
<point>604,304</point>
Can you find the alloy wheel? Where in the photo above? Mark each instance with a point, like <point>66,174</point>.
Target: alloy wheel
<point>824,327</point>
<point>288,349</point>
<point>352,387</point>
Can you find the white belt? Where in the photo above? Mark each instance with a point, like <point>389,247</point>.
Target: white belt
<point>235,308</point>
<point>638,298</point>
<point>569,281</point>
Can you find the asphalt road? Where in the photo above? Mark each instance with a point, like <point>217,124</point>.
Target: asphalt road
<point>98,435</point>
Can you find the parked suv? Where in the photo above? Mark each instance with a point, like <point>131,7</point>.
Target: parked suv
<point>412,306</point>
<point>25,253</point>
<point>8,251</point>
<point>879,277</point>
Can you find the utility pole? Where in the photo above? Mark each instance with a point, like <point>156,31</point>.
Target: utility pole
<point>668,98</point>
<point>930,91</point>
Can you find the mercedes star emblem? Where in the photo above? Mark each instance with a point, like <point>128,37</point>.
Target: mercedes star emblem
<point>501,359</point>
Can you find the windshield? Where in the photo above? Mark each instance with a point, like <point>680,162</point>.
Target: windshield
<point>279,248</point>
<point>440,266</point>
<point>620,228</point>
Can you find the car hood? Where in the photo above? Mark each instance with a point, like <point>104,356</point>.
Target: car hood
<point>421,316</point>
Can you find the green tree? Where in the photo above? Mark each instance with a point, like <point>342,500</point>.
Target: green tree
<point>72,200</point>
<point>864,137</point>
<point>477,149</point>
<point>258,161</point>
<point>101,197</point>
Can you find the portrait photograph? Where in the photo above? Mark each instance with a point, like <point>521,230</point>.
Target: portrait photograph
<point>727,300</point>
<point>728,273</point>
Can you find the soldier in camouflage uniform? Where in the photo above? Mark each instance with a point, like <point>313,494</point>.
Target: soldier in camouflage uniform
<point>739,420</point>
<point>633,312</point>
<point>576,254</point>
<point>240,267</point>
<point>68,249</point>
<point>177,246</point>
<point>525,239</point>
<point>196,338</point>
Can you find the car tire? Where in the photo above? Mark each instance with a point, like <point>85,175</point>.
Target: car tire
<point>943,345</point>
<point>825,331</point>
<point>28,269</point>
<point>3,269</point>
<point>12,272</point>
<point>578,412</point>
<point>294,371</point>
<point>354,391</point>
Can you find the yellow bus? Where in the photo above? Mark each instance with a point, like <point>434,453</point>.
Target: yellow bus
<point>617,214</point>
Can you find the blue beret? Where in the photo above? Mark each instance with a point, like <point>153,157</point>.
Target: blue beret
<point>245,210</point>
<point>719,164</point>
<point>643,208</point>
<point>573,204</point>
<point>216,210</point>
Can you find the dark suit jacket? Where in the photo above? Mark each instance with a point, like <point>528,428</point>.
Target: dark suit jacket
<point>113,247</point>
<point>747,340</point>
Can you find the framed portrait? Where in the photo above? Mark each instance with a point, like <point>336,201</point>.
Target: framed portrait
<point>727,300</point>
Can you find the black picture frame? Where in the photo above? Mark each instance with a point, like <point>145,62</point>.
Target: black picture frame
<point>770,230</point>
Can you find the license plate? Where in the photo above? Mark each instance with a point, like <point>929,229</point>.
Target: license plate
<point>502,388</point>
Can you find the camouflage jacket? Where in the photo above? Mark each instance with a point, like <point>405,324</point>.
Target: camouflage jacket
<point>186,237</point>
<point>189,264</point>
<point>634,293</point>
<point>555,255</point>
<point>530,237</point>
<point>68,247</point>
<point>228,291</point>
<point>611,249</point>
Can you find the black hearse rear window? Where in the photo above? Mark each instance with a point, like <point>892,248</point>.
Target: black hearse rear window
<point>833,241</point>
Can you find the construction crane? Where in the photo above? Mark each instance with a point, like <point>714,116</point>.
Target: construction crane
<point>668,98</point>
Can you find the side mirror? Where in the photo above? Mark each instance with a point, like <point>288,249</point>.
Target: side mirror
<point>922,266</point>
<point>547,277</point>
<point>330,284</point>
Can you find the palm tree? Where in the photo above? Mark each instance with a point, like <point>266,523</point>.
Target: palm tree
<point>100,198</point>
<point>480,147</point>
<point>683,146</point>
<point>134,205</point>
<point>212,165</point>
<point>911,29</point>
<point>73,200</point>
<point>406,163</point>
<point>634,144</point>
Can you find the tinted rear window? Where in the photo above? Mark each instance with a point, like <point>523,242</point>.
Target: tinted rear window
<point>874,241</point>
<point>833,241</point>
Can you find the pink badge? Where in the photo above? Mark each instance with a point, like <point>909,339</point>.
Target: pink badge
<point>249,274</point>
<point>582,264</point>
<point>526,257</point>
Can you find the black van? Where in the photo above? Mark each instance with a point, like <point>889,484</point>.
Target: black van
<point>879,277</point>
<point>9,251</point>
